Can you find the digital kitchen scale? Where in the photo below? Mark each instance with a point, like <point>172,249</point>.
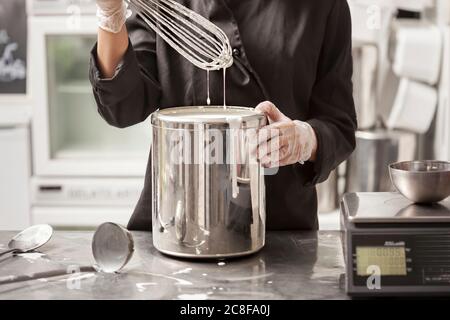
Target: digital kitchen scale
<point>394,247</point>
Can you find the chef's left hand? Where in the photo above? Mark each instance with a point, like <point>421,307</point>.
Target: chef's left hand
<point>284,141</point>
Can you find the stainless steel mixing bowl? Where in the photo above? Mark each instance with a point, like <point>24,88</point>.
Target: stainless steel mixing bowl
<point>422,181</point>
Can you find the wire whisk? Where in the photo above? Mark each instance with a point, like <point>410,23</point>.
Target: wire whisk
<point>190,34</point>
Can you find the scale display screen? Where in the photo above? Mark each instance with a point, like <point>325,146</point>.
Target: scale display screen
<point>390,261</point>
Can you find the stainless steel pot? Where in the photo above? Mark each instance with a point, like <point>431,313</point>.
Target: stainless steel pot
<point>327,193</point>
<point>368,167</point>
<point>208,189</point>
<point>365,61</point>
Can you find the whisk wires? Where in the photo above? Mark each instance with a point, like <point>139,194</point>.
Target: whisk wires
<point>196,38</point>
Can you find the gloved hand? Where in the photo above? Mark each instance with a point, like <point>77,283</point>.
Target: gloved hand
<point>284,141</point>
<point>112,14</point>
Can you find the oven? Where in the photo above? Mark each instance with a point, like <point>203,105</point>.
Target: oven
<point>84,171</point>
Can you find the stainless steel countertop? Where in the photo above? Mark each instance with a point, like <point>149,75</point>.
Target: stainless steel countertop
<point>293,265</point>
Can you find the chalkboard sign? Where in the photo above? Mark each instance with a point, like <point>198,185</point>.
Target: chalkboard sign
<point>13,47</point>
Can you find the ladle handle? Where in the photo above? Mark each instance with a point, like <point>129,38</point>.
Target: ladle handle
<point>7,251</point>
<point>42,275</point>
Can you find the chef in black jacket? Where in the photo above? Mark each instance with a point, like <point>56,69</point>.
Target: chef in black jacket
<point>294,53</point>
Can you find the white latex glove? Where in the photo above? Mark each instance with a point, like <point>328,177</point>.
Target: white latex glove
<point>112,14</point>
<point>284,141</point>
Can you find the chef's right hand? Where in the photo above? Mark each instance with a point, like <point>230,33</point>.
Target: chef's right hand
<point>112,14</point>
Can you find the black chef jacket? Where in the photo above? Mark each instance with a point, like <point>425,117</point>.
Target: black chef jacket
<point>295,53</point>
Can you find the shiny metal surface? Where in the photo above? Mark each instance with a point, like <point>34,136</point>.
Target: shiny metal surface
<point>367,168</point>
<point>190,34</point>
<point>292,265</point>
<point>422,181</point>
<point>365,60</point>
<point>112,247</point>
<point>29,239</point>
<point>392,207</point>
<point>327,193</point>
<point>208,190</point>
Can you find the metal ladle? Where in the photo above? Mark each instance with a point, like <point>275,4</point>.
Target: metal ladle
<point>29,239</point>
<point>112,247</point>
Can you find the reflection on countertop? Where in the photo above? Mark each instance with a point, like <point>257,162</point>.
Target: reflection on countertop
<point>293,265</point>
